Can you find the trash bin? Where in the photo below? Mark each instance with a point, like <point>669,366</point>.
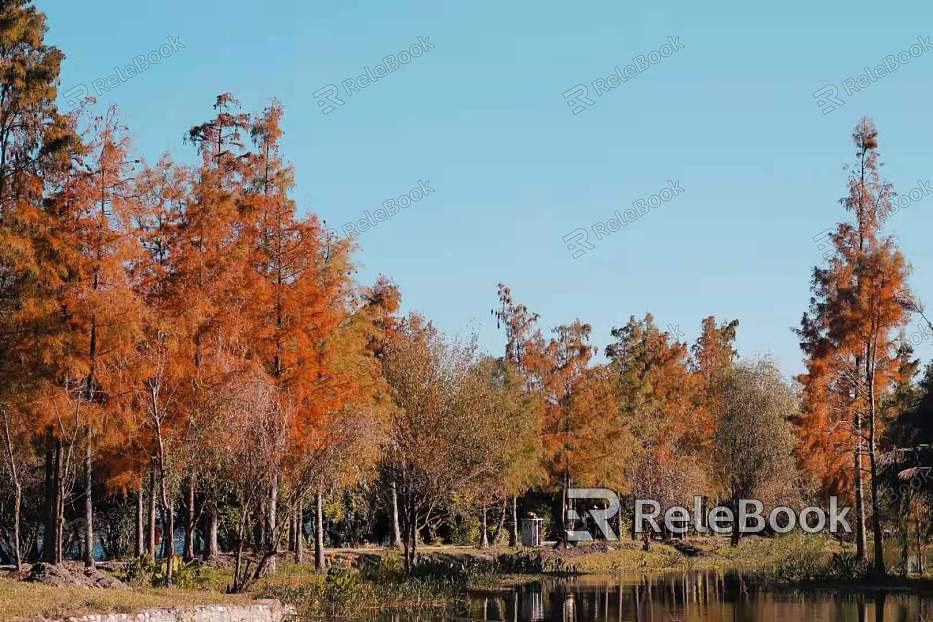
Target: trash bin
<point>531,531</point>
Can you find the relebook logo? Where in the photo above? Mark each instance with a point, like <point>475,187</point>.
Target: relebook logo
<point>719,519</point>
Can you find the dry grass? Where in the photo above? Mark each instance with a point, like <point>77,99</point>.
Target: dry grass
<point>29,601</point>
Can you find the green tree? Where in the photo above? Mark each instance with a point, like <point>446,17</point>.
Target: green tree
<point>657,400</point>
<point>506,432</point>
<point>754,441</point>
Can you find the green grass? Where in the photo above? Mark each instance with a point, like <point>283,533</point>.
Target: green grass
<point>374,586</point>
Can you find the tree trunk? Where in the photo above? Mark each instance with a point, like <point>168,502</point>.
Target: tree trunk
<point>736,534</point>
<point>920,559</point>
<point>153,547</point>
<point>17,493</point>
<point>513,532</point>
<point>168,519</point>
<point>860,542</point>
<point>484,531</point>
<point>564,506</point>
<point>319,562</point>
<point>619,521</point>
<point>499,523</point>
<point>238,578</point>
<point>272,534</point>
<point>259,529</point>
<point>17,520</point>
<point>210,538</point>
<point>140,545</point>
<point>59,482</point>
<point>60,515</point>
<point>88,503</point>
<point>410,539</point>
<point>168,542</point>
<point>299,532</point>
<point>877,535</point>
<point>190,527</point>
<point>414,540</point>
<point>50,537</point>
<point>396,531</point>
<point>631,530</point>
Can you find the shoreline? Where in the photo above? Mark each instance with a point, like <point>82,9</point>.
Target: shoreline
<point>370,579</point>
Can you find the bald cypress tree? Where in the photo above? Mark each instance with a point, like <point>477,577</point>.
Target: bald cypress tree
<point>860,300</point>
<point>36,143</point>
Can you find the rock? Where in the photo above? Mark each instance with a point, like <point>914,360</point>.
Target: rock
<point>260,611</point>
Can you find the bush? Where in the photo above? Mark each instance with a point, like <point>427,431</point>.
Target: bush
<point>526,562</point>
<point>847,566</point>
<point>458,571</point>
<point>142,571</point>
<point>466,532</point>
<point>380,586</point>
<point>801,566</point>
<point>805,559</point>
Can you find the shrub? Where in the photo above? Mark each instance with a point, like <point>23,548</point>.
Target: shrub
<point>847,566</point>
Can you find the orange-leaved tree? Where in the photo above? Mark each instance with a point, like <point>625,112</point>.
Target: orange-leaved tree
<point>100,308</point>
<point>860,300</point>
<point>657,398</point>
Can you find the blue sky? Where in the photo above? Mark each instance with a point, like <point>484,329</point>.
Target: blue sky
<point>482,118</point>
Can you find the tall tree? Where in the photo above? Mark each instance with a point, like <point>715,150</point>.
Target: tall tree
<point>713,357</point>
<point>444,427</point>
<point>524,345</point>
<point>657,398</point>
<point>163,191</point>
<point>505,428</point>
<point>714,352</point>
<point>283,254</point>
<point>99,305</point>
<point>36,146</point>
<point>206,295</point>
<point>568,354</point>
<point>860,300</point>
<point>525,353</point>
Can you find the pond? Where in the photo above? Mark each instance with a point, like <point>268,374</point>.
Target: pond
<point>682,597</point>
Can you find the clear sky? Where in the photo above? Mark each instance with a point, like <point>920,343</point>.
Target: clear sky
<point>481,117</point>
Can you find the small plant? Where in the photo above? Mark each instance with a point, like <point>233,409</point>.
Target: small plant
<point>184,574</point>
<point>381,568</point>
<point>342,587</point>
<point>526,562</point>
<point>139,570</point>
<point>847,566</point>
<point>460,571</point>
<point>379,586</point>
<point>801,560</point>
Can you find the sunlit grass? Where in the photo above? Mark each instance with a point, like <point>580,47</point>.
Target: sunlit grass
<point>374,582</point>
<point>19,599</point>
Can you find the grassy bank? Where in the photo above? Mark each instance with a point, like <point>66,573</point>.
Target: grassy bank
<point>363,582</point>
<point>21,600</point>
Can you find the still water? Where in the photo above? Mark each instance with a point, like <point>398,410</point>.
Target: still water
<point>698,596</point>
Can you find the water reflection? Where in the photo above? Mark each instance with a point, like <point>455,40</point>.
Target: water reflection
<point>698,597</point>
